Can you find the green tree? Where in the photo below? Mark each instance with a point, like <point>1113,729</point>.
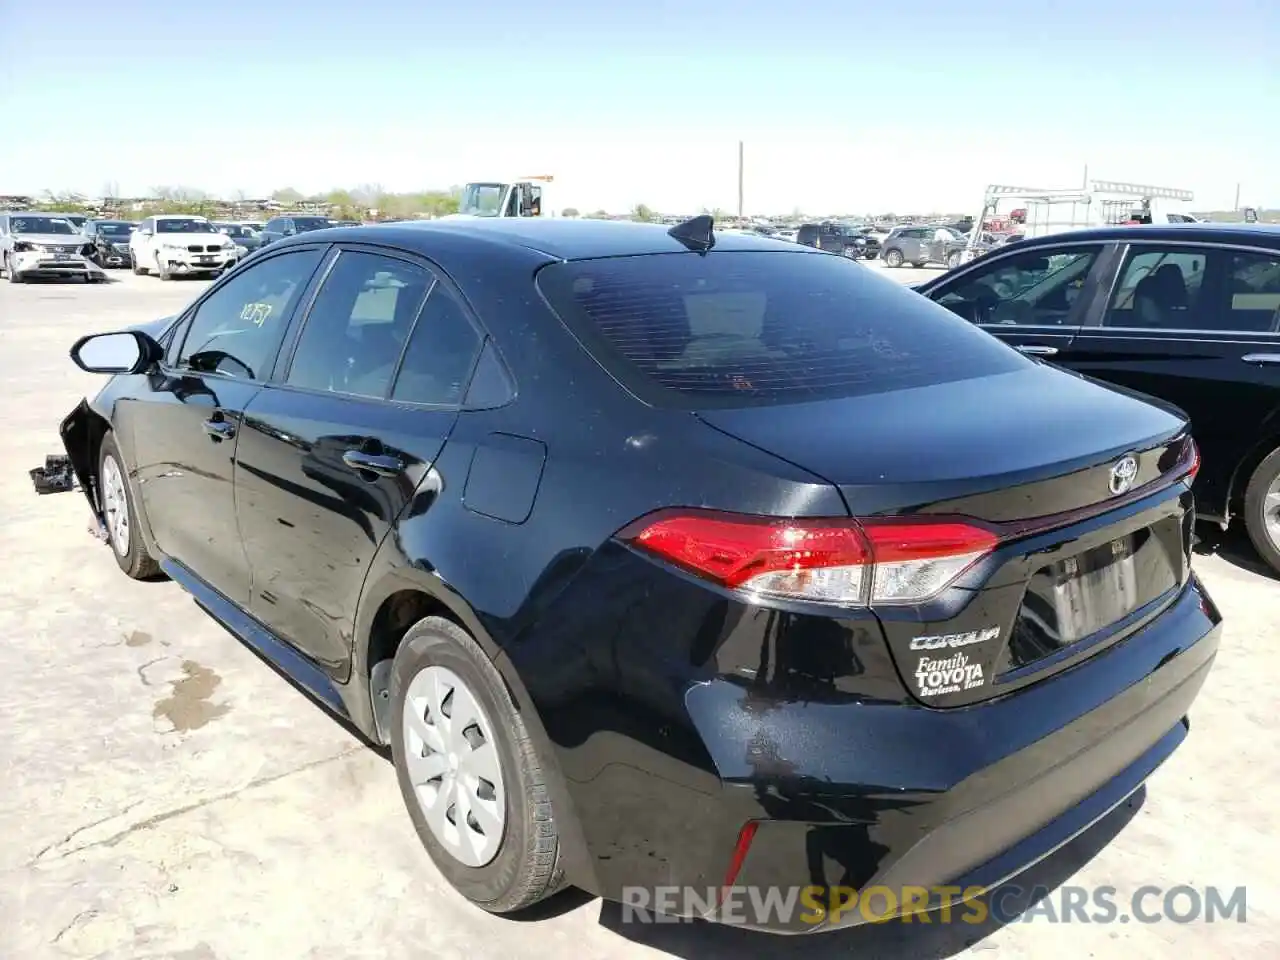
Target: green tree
<point>570,212</point>
<point>642,212</point>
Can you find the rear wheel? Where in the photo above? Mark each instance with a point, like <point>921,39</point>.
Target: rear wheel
<point>468,772</point>
<point>894,258</point>
<point>120,515</point>
<point>138,269</point>
<point>953,260</point>
<point>1262,509</point>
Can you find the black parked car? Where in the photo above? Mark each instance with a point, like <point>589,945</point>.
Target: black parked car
<point>661,558</point>
<point>856,243</point>
<point>1188,313</point>
<point>110,241</point>
<point>277,228</point>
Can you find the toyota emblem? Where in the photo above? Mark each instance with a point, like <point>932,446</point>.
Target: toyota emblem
<point>1123,473</point>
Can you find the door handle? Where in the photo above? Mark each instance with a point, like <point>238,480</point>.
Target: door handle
<point>1034,350</point>
<point>219,429</point>
<point>1262,359</point>
<point>381,464</point>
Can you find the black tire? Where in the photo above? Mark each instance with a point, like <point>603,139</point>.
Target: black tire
<point>893,258</point>
<point>1255,508</point>
<point>527,866</point>
<point>136,562</point>
<point>162,269</point>
<point>953,261</point>
<point>138,269</point>
<point>12,274</point>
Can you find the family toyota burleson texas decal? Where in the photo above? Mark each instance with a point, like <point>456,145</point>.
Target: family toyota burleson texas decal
<point>948,675</point>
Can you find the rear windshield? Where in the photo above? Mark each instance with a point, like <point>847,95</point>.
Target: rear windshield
<point>757,328</point>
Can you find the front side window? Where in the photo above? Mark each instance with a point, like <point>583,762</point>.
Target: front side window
<point>1159,288</point>
<point>1027,289</point>
<point>1254,287</point>
<point>358,325</point>
<point>238,328</point>
<point>756,328</point>
<point>303,224</point>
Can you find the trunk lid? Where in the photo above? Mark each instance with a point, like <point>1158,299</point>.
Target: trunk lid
<point>1085,559</point>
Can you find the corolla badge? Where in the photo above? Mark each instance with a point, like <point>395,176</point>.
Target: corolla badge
<point>1123,472</point>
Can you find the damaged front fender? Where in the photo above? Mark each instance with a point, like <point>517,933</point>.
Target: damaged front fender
<point>80,438</point>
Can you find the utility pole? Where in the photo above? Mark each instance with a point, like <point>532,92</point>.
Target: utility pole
<point>1237,206</point>
<point>740,158</point>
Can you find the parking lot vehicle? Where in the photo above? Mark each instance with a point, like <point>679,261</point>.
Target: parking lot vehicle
<point>1188,313</point>
<point>77,220</point>
<point>245,238</point>
<point>665,556</point>
<point>918,245</point>
<point>277,228</point>
<point>109,240</point>
<point>1092,204</point>
<point>845,239</point>
<point>174,245</point>
<point>518,197</point>
<point>42,245</point>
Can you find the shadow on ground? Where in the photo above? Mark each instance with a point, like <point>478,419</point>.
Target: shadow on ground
<point>1234,547</point>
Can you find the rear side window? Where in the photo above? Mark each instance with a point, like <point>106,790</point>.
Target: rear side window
<point>756,328</point>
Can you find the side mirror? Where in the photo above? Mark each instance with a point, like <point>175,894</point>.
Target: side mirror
<point>125,352</point>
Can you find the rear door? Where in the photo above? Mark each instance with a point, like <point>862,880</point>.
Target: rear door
<point>367,391</point>
<point>1035,300</point>
<point>1199,326</point>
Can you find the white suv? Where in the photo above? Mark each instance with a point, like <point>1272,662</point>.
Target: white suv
<point>177,245</point>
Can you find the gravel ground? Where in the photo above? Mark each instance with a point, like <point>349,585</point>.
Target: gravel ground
<point>169,796</point>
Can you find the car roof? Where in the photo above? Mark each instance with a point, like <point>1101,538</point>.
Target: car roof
<point>178,216</point>
<point>1265,234</point>
<point>562,239</point>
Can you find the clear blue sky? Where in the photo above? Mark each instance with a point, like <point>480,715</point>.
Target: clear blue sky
<point>843,105</point>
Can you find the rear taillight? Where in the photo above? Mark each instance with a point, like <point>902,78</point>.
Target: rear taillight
<point>1194,467</point>
<point>852,563</point>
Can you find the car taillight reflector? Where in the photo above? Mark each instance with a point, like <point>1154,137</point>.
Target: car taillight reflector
<point>1194,468</point>
<point>838,561</point>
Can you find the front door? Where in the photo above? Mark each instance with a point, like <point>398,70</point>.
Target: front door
<point>1034,300</point>
<point>332,453</point>
<point>1200,328</point>
<point>217,362</point>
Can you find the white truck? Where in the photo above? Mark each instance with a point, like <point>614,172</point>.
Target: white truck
<point>175,245</point>
<point>1095,203</point>
<point>517,197</point>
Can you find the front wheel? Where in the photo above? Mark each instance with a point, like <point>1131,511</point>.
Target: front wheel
<point>469,773</point>
<point>894,258</point>
<point>1262,509</point>
<point>120,515</point>
<point>12,274</point>
<point>162,268</point>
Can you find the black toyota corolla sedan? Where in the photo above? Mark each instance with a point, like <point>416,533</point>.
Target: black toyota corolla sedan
<point>666,559</point>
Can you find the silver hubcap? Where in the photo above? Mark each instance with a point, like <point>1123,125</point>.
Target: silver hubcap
<point>452,762</point>
<point>115,506</point>
<point>1271,512</point>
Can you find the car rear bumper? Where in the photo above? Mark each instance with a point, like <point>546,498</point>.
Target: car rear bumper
<point>853,795</point>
